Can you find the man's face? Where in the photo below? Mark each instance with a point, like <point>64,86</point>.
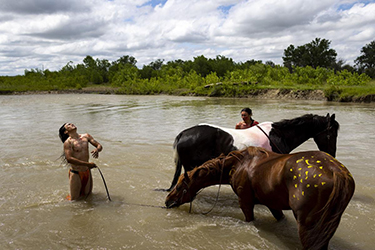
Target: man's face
<point>70,127</point>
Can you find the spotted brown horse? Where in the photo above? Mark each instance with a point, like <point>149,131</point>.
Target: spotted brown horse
<point>313,184</point>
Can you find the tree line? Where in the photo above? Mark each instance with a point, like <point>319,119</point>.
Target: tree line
<point>314,63</point>
<point>319,54</point>
<point>314,54</point>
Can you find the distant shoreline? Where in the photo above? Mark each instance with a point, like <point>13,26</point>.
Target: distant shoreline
<point>271,94</point>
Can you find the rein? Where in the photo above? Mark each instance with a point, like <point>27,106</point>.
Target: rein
<point>281,152</point>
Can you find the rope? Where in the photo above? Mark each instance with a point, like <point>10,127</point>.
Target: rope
<point>143,205</point>
<point>105,184</point>
<point>217,196</point>
<point>133,204</point>
<point>281,152</point>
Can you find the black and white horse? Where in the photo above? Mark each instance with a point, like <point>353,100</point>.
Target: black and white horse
<point>200,143</point>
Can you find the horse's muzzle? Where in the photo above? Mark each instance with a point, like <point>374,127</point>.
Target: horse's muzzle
<point>171,204</point>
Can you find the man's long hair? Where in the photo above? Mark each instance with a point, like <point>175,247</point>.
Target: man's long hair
<point>62,134</point>
<point>63,138</point>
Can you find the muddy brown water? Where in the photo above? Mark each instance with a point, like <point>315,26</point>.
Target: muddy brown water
<point>137,134</point>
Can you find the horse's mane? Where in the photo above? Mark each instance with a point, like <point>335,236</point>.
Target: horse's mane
<point>314,121</point>
<point>255,151</point>
<point>218,164</point>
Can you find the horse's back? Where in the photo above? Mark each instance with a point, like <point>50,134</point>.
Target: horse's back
<point>253,136</point>
<point>311,174</point>
<point>295,181</point>
<point>200,143</point>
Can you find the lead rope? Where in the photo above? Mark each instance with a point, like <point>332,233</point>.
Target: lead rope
<point>134,204</point>
<point>105,185</point>
<point>217,196</point>
<point>281,152</point>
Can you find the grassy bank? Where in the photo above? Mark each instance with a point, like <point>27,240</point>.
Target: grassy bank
<point>257,80</point>
<point>339,94</point>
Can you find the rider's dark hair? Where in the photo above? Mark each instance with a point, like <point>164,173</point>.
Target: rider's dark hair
<point>247,110</point>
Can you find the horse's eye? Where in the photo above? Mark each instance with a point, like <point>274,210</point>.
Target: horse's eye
<point>185,191</point>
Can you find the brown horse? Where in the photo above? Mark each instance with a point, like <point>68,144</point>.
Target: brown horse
<point>313,184</point>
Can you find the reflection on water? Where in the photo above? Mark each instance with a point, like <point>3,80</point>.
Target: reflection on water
<point>137,133</point>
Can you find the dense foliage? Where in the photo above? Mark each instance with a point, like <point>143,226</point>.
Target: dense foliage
<point>219,76</point>
<point>366,62</point>
<point>314,54</point>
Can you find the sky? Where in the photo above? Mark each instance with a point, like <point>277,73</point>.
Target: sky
<point>47,34</point>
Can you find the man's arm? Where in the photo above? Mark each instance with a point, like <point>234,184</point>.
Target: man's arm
<point>97,145</point>
<point>72,160</point>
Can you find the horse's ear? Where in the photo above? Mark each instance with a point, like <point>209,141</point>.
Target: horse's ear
<point>327,116</point>
<point>187,179</point>
<point>332,117</point>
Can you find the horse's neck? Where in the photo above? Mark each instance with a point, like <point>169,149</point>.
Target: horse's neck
<point>292,137</point>
<point>217,173</point>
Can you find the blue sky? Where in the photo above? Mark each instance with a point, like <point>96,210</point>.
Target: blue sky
<point>48,34</point>
<point>154,3</point>
<point>348,5</point>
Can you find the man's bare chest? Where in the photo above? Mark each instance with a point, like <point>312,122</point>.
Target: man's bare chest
<point>80,145</point>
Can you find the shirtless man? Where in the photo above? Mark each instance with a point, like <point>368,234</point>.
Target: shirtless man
<point>76,151</point>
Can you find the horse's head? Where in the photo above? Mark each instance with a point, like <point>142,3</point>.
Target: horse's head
<point>181,193</point>
<point>212,172</point>
<point>326,140</point>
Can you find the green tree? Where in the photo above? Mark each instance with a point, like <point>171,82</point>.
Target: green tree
<point>68,67</point>
<point>176,63</point>
<point>91,70</point>
<point>247,64</point>
<point>202,66</point>
<point>103,69</point>
<point>89,62</point>
<point>366,61</point>
<point>157,64</point>
<point>151,70</point>
<point>124,60</point>
<point>117,65</point>
<point>314,54</point>
<point>96,71</point>
<point>270,63</point>
<point>126,76</point>
<point>221,65</point>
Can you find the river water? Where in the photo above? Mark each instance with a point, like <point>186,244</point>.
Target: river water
<point>137,133</point>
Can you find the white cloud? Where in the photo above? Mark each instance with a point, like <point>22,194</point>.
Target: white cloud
<point>49,34</point>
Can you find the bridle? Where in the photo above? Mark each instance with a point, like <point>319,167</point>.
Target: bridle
<point>185,191</point>
<point>329,127</point>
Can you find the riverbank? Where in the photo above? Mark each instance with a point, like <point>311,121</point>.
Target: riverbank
<point>277,94</point>
<point>285,94</point>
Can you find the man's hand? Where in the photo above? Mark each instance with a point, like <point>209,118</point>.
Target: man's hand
<point>92,165</point>
<point>95,153</point>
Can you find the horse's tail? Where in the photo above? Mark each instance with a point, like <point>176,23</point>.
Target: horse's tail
<point>177,163</point>
<point>343,189</point>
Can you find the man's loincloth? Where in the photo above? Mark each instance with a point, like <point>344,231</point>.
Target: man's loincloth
<point>84,176</point>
